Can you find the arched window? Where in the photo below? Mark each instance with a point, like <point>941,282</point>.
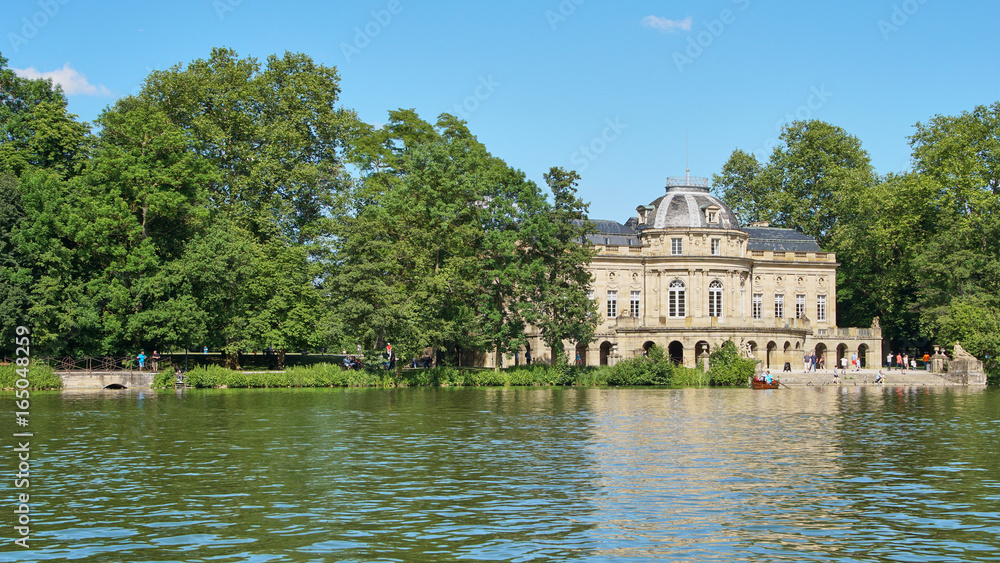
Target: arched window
<point>715,299</point>
<point>675,299</point>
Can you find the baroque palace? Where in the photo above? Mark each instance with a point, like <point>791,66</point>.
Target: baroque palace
<point>684,275</point>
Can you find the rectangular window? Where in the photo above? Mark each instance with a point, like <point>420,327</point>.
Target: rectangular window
<point>676,246</point>
<point>800,306</point>
<point>634,303</point>
<point>821,308</point>
<point>612,303</point>
<point>758,305</point>
<point>779,306</point>
<point>716,247</point>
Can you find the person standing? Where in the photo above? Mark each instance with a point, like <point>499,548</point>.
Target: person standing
<point>888,360</point>
<point>142,359</point>
<point>899,360</point>
<point>155,361</point>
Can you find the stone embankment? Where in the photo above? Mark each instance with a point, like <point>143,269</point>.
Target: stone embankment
<point>107,379</point>
<point>895,377</point>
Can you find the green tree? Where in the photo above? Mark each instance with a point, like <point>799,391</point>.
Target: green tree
<point>272,132</point>
<point>35,128</point>
<point>959,262</point>
<point>803,181</point>
<point>728,368</point>
<point>15,274</point>
<point>561,307</point>
<point>880,231</point>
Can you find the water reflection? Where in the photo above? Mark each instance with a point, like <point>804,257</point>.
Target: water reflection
<point>843,474</point>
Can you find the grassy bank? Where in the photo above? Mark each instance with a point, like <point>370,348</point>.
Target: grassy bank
<point>728,369</point>
<point>39,377</point>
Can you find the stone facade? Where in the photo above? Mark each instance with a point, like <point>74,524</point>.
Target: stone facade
<point>684,275</point>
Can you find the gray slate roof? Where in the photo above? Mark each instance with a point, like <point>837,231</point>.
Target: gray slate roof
<point>684,207</point>
<point>773,238</point>
<point>613,232</point>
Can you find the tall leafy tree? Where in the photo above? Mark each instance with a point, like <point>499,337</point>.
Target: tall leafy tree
<point>959,263</point>
<point>36,131</point>
<point>42,148</point>
<point>802,182</point>
<point>142,203</point>
<point>273,132</point>
<point>272,137</point>
<point>880,231</point>
<point>562,310</point>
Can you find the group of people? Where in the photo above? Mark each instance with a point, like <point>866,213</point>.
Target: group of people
<point>353,362</point>
<point>765,377</point>
<point>813,362</point>
<point>904,361</point>
<point>154,360</point>
<point>855,363</point>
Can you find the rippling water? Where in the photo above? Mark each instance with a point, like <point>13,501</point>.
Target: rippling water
<point>825,474</point>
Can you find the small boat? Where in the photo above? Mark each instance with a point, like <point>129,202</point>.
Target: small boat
<point>761,384</point>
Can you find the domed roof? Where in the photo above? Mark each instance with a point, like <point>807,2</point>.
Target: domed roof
<point>688,204</point>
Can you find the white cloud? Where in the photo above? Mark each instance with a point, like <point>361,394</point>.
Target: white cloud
<point>69,78</point>
<point>668,25</point>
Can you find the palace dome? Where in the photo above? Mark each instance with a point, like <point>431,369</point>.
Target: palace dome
<point>687,205</point>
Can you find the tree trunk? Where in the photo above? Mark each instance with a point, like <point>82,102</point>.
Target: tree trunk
<point>233,360</point>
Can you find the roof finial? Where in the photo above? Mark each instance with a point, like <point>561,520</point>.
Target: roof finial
<point>687,150</point>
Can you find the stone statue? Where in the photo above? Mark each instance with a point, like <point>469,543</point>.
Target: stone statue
<point>960,354</point>
<point>875,324</point>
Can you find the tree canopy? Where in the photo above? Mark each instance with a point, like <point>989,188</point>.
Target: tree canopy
<point>233,204</point>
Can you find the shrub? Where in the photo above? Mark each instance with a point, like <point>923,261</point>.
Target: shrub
<point>653,369</point>
<point>208,376</point>
<point>40,376</point>
<point>728,368</point>
<point>165,379</point>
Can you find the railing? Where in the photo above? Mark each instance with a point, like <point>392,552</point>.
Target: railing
<point>92,364</point>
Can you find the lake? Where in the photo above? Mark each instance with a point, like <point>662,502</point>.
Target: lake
<point>511,474</point>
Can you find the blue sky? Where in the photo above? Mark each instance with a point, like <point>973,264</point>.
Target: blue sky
<point>608,89</point>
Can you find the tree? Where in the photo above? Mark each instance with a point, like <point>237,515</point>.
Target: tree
<point>273,133</point>
<point>805,178</point>
<point>406,271</point>
<point>959,263</point>
<point>35,129</point>
<point>739,186</point>
<point>15,274</point>
<point>879,233</point>
<point>561,307</point>
<point>140,205</point>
